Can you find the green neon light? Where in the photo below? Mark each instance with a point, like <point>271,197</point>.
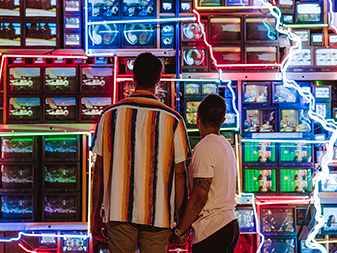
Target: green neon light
<point>8,134</point>
<point>194,130</point>
<point>60,139</point>
<point>305,25</point>
<point>21,139</point>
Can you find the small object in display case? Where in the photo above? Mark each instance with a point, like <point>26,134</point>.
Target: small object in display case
<point>24,108</point>
<point>71,5</point>
<point>228,55</point>
<point>280,220</point>
<point>192,32</point>
<point>97,79</point>
<point>286,5</point>
<point>302,58</point>
<point>72,22</point>
<point>138,8</point>
<point>330,226</point>
<point>194,58</point>
<point>72,39</point>
<point>225,30</point>
<point>261,30</point>
<point>246,218</point>
<point>323,109</point>
<point>60,79</point>
<point>329,184</point>
<point>61,177</point>
<point>284,95</point>
<point>41,8</point>
<point>57,148</point>
<point>17,176</point>
<point>17,207</point>
<point>309,12</point>
<point>60,207</point>
<point>230,120</point>
<point>48,240</point>
<point>93,107</point>
<point>60,108</point>
<point>39,60</point>
<point>299,154</point>
<point>295,120</point>
<point>209,88</point>
<point>288,19</point>
<point>333,39</point>
<point>73,244</point>
<point>129,63</point>
<point>167,6</point>
<point>10,34</point>
<point>256,93</point>
<point>192,88</point>
<point>41,34</point>
<point>238,2</point>
<point>17,148</point>
<point>191,112</point>
<point>139,35</point>
<point>317,39</point>
<point>10,8</point>
<point>103,36</point>
<point>101,9</point>
<point>322,92</point>
<point>259,153</point>
<point>210,2</point>
<point>259,120</point>
<point>279,245</point>
<point>167,36</point>
<point>59,60</point>
<point>101,60</point>
<point>24,79</point>
<point>326,57</point>
<point>306,88</point>
<point>18,60</point>
<point>185,6</point>
<point>260,180</point>
<point>261,55</point>
<point>296,181</point>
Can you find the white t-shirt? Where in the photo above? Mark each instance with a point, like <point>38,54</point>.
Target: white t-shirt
<point>213,157</point>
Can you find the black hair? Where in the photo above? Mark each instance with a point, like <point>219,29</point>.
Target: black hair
<point>146,70</point>
<point>212,110</point>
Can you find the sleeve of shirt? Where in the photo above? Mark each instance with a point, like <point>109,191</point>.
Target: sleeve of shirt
<point>202,162</point>
<point>96,146</point>
<point>182,149</point>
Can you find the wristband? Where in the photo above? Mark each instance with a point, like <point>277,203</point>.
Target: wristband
<point>178,232</point>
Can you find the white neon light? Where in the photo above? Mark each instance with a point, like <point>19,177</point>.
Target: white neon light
<point>125,79</point>
<point>147,21</point>
<point>310,241</point>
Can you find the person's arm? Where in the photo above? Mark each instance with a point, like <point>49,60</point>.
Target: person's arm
<point>195,203</point>
<point>180,188</point>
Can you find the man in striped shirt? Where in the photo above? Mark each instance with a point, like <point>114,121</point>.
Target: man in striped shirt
<point>141,146</point>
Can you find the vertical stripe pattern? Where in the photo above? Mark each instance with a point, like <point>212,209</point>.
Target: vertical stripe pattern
<point>140,140</point>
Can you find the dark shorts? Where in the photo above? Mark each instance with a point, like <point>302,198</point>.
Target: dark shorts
<point>222,241</point>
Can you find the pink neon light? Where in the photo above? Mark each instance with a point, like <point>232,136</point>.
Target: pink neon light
<point>287,201</point>
<point>114,99</point>
<point>215,62</point>
<point>27,250</point>
<point>84,57</point>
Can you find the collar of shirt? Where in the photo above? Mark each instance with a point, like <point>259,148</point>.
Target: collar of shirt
<point>143,93</point>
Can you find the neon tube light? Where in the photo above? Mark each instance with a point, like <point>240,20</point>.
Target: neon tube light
<point>306,25</point>
<point>196,4</point>
<point>283,141</point>
<point>27,250</point>
<point>114,99</point>
<point>310,241</point>
<point>295,201</point>
<point>194,130</point>
<point>147,21</point>
<point>124,79</point>
<point>7,134</point>
<point>215,62</point>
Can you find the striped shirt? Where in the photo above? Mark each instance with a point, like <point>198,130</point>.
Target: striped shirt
<point>140,140</point>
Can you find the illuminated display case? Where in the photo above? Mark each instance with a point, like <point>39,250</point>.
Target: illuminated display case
<point>295,181</point>
<point>260,30</point>
<point>246,218</point>
<point>61,148</point>
<point>17,207</point>
<point>259,154</point>
<point>18,177</point>
<point>17,148</point>
<point>260,180</point>
<point>225,30</point>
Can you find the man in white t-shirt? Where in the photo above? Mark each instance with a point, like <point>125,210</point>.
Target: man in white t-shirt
<point>212,173</point>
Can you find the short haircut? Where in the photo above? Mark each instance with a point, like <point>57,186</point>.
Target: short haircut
<point>212,110</point>
<point>146,70</point>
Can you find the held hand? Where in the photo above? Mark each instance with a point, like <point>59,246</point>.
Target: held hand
<point>179,242</point>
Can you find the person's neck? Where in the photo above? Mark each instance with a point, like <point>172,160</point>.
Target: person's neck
<point>152,90</point>
<point>206,130</point>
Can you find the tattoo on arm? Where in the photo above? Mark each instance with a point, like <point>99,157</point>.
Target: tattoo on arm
<point>203,183</point>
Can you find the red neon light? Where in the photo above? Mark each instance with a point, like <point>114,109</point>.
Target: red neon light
<point>27,250</point>
<point>215,62</point>
<point>114,99</point>
<point>286,201</point>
